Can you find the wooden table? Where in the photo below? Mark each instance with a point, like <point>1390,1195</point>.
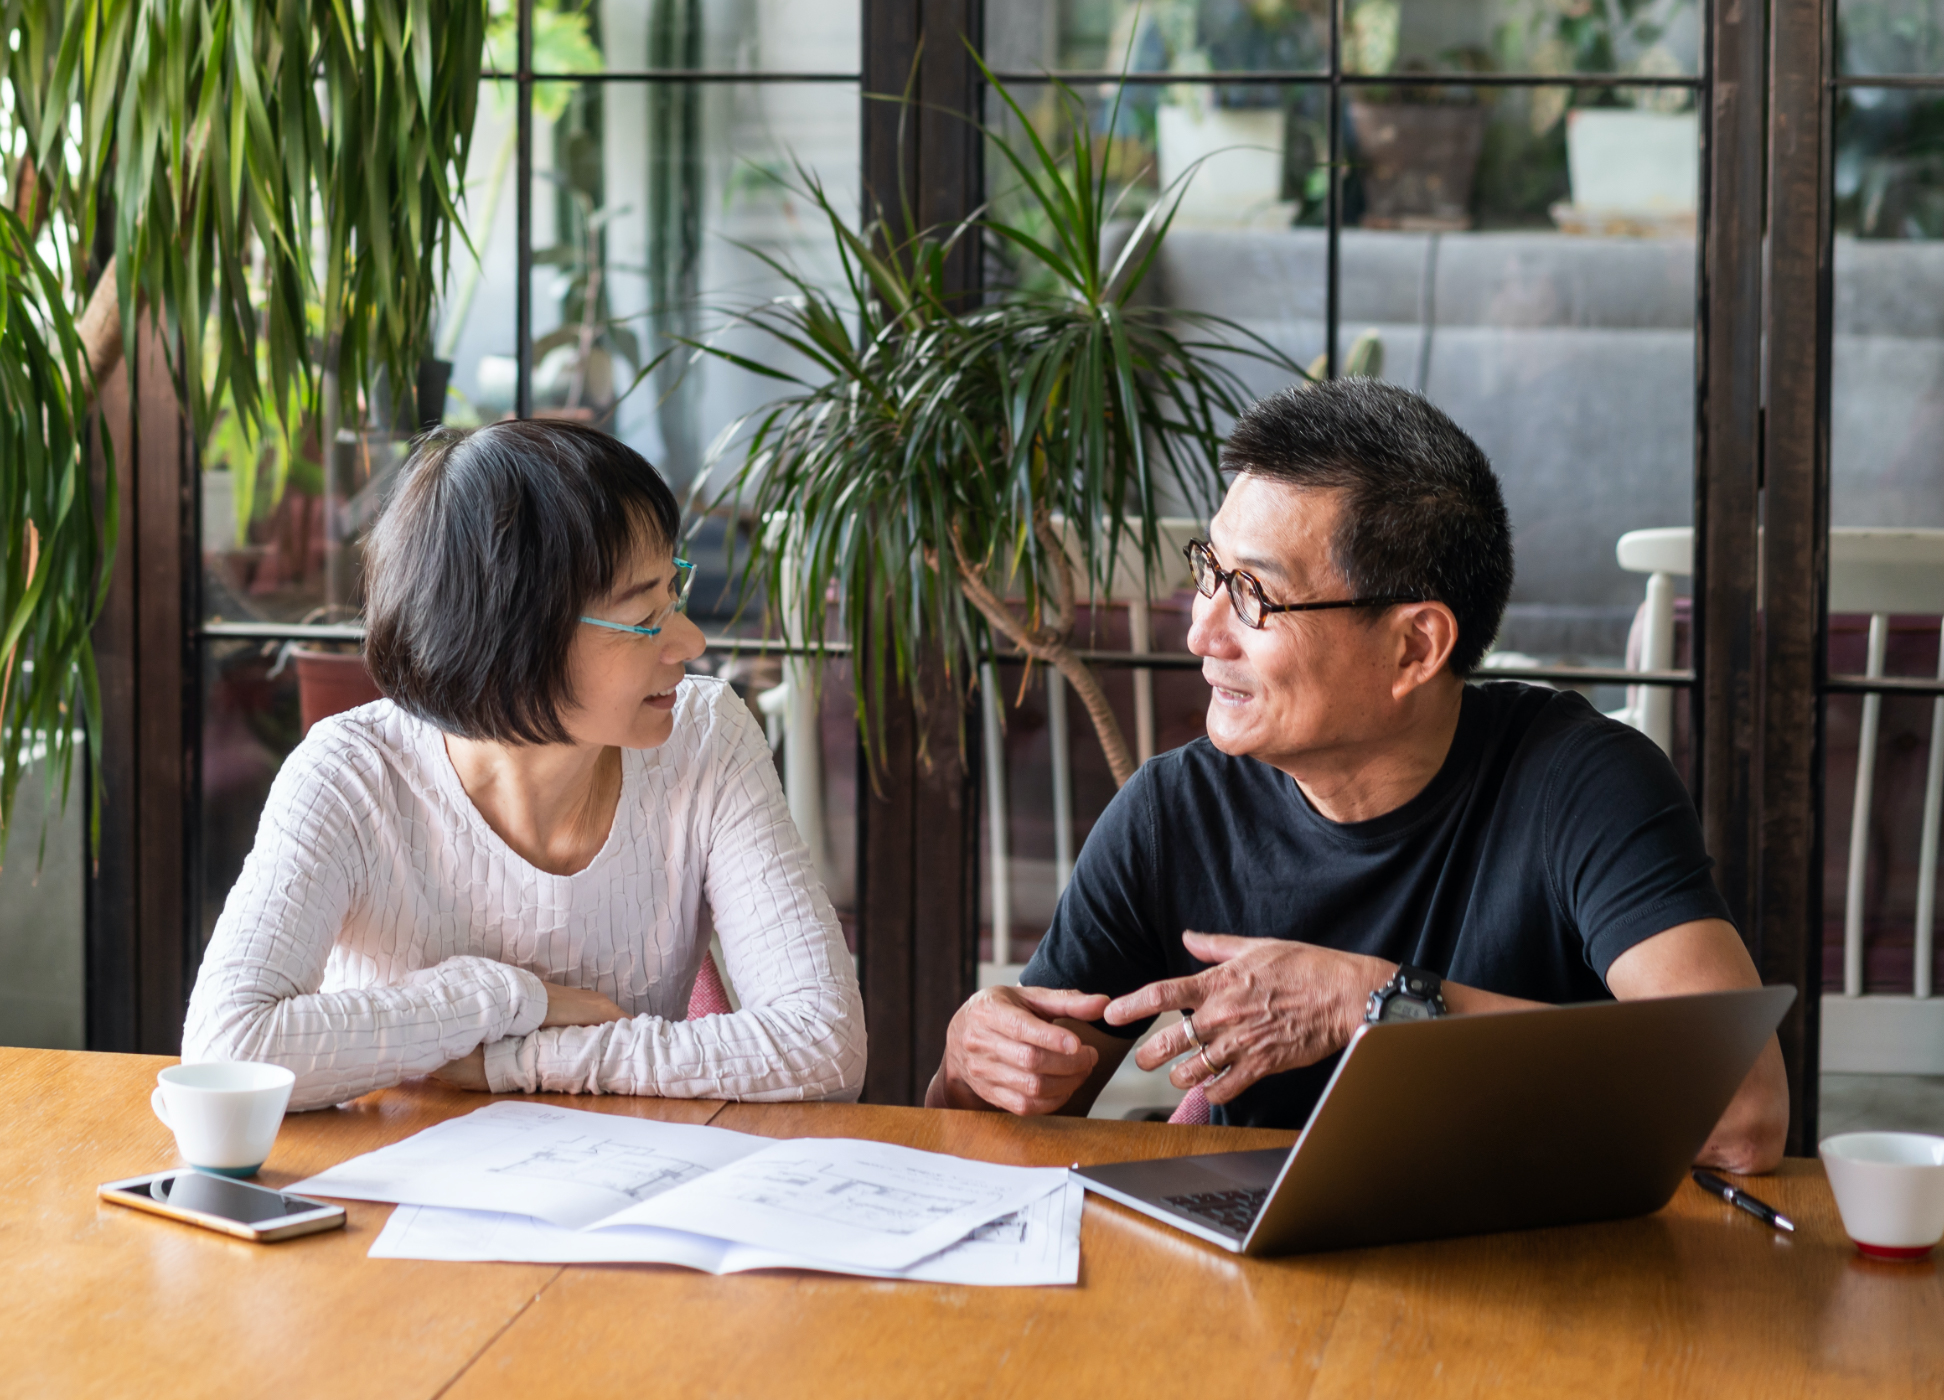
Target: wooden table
<point>1697,1300</point>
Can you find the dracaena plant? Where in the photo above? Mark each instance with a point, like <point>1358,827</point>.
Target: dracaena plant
<point>55,572</point>
<point>964,475</point>
<point>273,185</point>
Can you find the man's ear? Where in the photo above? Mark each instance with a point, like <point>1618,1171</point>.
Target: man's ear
<point>1426,634</point>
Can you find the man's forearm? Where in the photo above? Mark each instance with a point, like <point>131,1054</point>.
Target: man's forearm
<point>1461,1000</point>
<point>1752,1134</point>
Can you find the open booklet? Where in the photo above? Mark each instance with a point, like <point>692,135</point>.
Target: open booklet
<point>846,1203</point>
<point>1038,1244</point>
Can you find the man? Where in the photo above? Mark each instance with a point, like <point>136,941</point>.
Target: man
<point>1356,806</point>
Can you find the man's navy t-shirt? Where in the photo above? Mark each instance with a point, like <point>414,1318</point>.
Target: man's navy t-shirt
<point>1551,841</point>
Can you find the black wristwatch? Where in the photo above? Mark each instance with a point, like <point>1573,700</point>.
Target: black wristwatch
<point>1412,995</point>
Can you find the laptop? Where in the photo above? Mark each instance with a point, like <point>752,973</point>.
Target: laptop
<point>1467,1125</point>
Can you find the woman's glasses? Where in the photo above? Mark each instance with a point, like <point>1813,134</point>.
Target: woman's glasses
<point>1245,594</point>
<point>684,580</point>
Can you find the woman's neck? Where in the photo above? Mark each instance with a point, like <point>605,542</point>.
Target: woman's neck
<point>552,803</point>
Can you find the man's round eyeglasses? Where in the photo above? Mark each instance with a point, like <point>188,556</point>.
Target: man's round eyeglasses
<point>1245,594</point>
<point>684,580</point>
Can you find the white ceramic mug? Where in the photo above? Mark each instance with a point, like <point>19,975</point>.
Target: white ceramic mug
<point>224,1114</point>
<point>1890,1190</point>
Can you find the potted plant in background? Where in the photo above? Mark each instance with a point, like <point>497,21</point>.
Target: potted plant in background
<point>1416,147</point>
<point>1633,154</point>
<point>258,160</point>
<point>964,475</point>
<point>1235,136</point>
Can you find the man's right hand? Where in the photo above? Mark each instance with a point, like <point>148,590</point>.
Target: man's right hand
<point>577,1006</point>
<point>1003,1051</point>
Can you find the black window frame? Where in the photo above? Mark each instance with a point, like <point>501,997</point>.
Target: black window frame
<point>1767,89</point>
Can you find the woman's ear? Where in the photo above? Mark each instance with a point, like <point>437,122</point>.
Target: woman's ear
<point>1426,634</point>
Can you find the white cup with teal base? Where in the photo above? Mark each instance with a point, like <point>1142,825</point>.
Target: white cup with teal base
<point>224,1114</point>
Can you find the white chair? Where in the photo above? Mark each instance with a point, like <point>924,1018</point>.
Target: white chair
<point>1662,555</point>
<point>1873,571</point>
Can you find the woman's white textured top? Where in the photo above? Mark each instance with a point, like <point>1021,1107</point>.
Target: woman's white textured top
<point>381,928</point>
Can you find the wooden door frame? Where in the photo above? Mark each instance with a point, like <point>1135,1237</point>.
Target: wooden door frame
<point>139,917</point>
<point>917,816</point>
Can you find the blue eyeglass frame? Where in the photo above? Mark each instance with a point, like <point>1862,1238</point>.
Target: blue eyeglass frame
<point>682,586</point>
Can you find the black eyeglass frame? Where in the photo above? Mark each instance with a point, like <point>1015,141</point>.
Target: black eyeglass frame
<point>1235,578</point>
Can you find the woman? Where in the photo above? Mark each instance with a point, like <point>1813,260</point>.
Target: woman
<point>497,874</point>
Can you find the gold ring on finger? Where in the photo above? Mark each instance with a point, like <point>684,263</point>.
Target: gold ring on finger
<point>1188,1025</point>
<point>1213,1069</point>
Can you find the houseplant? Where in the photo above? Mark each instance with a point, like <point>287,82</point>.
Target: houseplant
<point>218,168</point>
<point>56,547</point>
<point>964,474</point>
<point>1236,136</point>
<point>1631,152</point>
<point>1416,147</point>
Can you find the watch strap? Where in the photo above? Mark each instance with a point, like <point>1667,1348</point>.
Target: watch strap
<point>1417,985</point>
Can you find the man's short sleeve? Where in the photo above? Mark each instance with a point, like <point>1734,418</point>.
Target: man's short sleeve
<point>1624,848</point>
<point>1103,936</point>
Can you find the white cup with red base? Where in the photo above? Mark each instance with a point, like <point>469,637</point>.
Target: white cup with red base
<point>1890,1190</point>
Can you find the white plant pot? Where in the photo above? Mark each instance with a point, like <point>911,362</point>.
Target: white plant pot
<point>1640,163</point>
<point>1239,180</point>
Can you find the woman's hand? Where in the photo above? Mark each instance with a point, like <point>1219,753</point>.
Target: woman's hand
<point>576,1006</point>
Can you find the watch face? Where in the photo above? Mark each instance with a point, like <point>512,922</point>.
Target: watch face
<point>1404,1009</point>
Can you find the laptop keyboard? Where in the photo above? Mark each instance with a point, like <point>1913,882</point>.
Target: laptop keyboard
<point>1233,1211</point>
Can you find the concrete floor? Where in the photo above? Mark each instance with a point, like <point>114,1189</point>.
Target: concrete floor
<point>41,969</point>
<point>1885,1102</point>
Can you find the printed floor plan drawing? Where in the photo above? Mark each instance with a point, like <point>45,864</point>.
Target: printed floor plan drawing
<point>635,1172</point>
<point>885,1199</point>
<point>1007,1229</point>
<point>844,1203</point>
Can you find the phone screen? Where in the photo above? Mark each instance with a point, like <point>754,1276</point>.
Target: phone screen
<point>227,1199</point>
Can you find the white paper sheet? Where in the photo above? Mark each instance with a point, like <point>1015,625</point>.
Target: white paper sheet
<point>564,1165</point>
<point>1038,1245</point>
<point>843,1201</point>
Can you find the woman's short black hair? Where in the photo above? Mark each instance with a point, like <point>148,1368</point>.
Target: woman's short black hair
<point>493,545</point>
<point>1422,517</point>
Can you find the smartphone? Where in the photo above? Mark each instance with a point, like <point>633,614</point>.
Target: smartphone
<point>219,1203</point>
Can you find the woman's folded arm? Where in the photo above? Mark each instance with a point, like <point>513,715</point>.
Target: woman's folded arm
<point>257,996</point>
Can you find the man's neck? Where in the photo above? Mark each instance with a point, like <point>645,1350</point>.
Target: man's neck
<point>1363,781</point>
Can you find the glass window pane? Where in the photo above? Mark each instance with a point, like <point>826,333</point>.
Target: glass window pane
<point>1659,38</point>
<point>252,719</point>
<point>1553,322</point>
<point>793,36</point>
<point>1521,157</point>
<point>283,525</point>
<point>1890,36</point>
<point>1158,36</point>
<point>654,205</point>
<point>1886,494</point>
<point>1258,163</point>
<point>43,917</point>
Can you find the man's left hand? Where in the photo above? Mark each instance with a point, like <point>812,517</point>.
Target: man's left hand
<point>1266,1006</point>
<point>468,1073</point>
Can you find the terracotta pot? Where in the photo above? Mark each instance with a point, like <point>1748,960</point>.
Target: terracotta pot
<point>329,683</point>
<point>1418,160</point>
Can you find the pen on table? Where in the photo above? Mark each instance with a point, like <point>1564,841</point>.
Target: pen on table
<point>1735,1196</point>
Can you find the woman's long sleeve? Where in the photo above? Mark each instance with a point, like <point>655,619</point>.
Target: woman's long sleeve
<point>259,997</point>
